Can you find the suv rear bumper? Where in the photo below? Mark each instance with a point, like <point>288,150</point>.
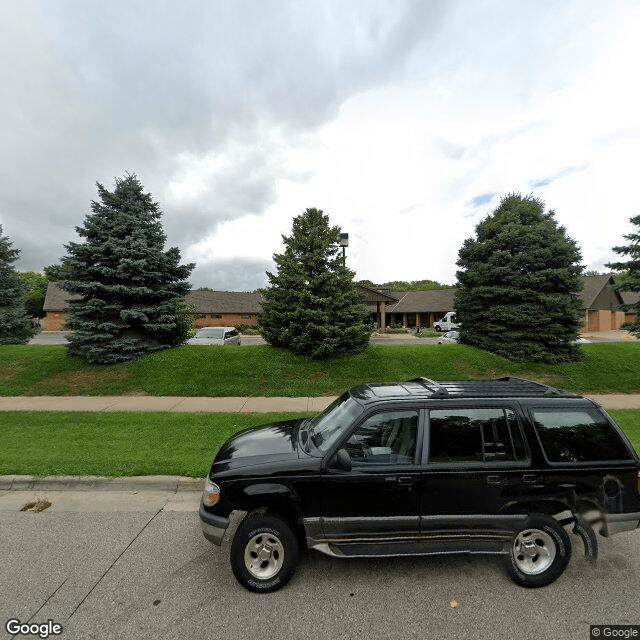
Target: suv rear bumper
<point>213,527</point>
<point>619,522</point>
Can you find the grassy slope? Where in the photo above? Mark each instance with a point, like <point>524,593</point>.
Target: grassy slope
<point>129,444</point>
<point>265,371</point>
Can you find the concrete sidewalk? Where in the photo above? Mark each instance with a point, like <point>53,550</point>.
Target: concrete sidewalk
<point>217,405</point>
<point>164,404</point>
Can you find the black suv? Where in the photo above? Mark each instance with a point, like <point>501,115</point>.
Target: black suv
<point>422,467</point>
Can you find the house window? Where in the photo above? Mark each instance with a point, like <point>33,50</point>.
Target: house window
<point>217,316</point>
<point>246,316</point>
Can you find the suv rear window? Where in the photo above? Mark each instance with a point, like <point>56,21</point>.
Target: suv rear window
<point>464,436</point>
<point>583,435</point>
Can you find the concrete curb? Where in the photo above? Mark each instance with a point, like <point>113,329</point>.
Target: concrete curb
<point>177,484</point>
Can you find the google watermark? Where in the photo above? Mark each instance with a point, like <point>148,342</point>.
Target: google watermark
<point>614,631</point>
<point>40,629</point>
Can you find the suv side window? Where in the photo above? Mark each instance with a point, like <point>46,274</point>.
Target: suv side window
<point>385,438</point>
<point>465,436</point>
<point>578,435</point>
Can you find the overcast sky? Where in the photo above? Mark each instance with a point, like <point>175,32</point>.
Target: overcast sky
<point>404,121</point>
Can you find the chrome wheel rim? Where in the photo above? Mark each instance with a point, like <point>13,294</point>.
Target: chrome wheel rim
<point>264,556</point>
<point>533,551</point>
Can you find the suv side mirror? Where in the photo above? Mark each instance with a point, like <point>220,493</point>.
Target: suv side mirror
<point>342,460</point>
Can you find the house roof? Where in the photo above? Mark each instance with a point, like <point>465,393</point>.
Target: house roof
<point>224,301</point>
<point>433,301</point>
<point>373,296</point>
<point>593,285</point>
<point>630,297</point>
<point>57,299</point>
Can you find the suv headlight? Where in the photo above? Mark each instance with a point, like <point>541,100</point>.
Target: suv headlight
<point>211,493</point>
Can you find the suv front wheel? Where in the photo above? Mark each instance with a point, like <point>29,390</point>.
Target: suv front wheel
<point>264,553</point>
<point>539,552</point>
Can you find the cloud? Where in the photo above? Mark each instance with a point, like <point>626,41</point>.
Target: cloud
<point>231,274</point>
<point>537,184</point>
<point>397,119</point>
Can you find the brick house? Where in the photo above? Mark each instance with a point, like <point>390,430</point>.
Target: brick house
<point>213,308</point>
<point>420,308</point>
<point>224,308</point>
<point>600,305</point>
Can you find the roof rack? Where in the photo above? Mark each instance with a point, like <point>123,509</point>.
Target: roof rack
<point>548,391</point>
<point>438,391</point>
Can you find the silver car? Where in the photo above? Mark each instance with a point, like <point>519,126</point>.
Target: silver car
<point>216,336</point>
<point>450,337</point>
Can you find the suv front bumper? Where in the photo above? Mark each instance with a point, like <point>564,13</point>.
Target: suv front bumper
<point>213,527</point>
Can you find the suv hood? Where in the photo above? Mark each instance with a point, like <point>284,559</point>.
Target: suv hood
<point>269,442</point>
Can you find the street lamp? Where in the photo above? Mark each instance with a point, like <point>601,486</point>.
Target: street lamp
<point>344,243</point>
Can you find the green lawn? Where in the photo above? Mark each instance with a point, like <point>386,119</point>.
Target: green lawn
<point>118,444</point>
<point>130,444</point>
<point>266,371</point>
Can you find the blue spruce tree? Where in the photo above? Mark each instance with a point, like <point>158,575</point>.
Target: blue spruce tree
<point>130,290</point>
<point>15,325</point>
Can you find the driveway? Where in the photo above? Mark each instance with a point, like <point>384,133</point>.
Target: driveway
<point>50,337</point>
<point>123,565</point>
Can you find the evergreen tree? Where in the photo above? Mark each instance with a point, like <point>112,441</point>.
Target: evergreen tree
<point>631,269</point>
<point>15,324</point>
<point>518,282</point>
<point>312,306</point>
<point>131,290</point>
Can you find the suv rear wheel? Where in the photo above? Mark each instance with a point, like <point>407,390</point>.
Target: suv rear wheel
<point>264,553</point>
<point>539,552</point>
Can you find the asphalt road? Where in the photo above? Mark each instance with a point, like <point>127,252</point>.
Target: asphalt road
<point>135,566</point>
<point>60,337</point>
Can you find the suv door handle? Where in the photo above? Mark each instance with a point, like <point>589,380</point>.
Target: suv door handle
<point>529,477</point>
<point>493,479</point>
<point>405,480</point>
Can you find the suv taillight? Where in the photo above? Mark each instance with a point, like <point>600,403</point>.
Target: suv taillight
<point>639,481</point>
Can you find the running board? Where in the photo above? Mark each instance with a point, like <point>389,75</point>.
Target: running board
<point>376,549</point>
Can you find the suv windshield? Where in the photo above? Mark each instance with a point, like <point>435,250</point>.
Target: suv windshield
<point>327,427</point>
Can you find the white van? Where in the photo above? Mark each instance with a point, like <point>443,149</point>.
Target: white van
<point>447,322</point>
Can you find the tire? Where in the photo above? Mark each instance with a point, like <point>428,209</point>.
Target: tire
<point>264,553</point>
<point>539,552</point>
